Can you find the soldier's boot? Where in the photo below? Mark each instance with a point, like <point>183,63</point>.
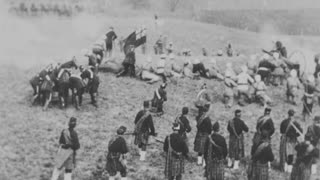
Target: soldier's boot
<point>80,100</point>
<point>199,160</point>
<point>55,174</point>
<point>289,168</point>
<point>285,167</point>
<point>236,164</point>
<point>229,163</point>
<point>203,163</point>
<point>143,155</point>
<point>93,100</point>
<point>314,169</point>
<point>67,176</point>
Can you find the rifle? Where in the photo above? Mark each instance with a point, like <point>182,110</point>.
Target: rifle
<point>267,52</point>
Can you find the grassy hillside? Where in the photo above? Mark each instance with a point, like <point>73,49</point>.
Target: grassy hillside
<point>30,136</point>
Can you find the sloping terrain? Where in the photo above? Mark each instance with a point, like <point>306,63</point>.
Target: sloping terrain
<point>29,136</point>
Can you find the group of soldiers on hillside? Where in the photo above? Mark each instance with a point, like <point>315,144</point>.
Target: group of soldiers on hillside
<point>44,8</point>
<point>296,157</point>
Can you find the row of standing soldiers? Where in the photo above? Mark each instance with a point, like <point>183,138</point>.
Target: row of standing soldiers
<point>210,145</point>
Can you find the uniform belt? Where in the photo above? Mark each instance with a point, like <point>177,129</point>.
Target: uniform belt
<point>263,69</point>
<point>243,84</point>
<point>308,95</point>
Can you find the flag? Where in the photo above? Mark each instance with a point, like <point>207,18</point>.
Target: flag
<point>136,38</point>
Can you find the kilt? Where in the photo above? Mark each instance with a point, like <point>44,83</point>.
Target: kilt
<point>236,147</point>
<point>109,46</point>
<point>200,141</point>
<point>65,159</point>
<point>292,92</point>
<point>114,164</point>
<point>214,170</point>
<point>141,139</point>
<point>174,166</point>
<point>300,172</point>
<point>94,85</point>
<point>258,171</point>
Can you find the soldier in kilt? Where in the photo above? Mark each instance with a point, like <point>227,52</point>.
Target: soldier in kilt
<point>290,131</point>
<point>236,127</point>
<point>183,121</point>
<point>143,128</point>
<point>313,135</point>
<point>117,149</point>
<point>177,150</point>
<point>68,145</point>
<point>302,168</point>
<point>308,98</point>
<point>159,97</point>
<point>215,154</point>
<point>203,131</point>
<point>203,98</point>
<point>261,155</point>
<point>264,122</point>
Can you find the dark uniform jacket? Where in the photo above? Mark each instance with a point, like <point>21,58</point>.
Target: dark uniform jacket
<point>147,125</point>
<point>303,156</point>
<point>290,132</point>
<point>221,151</point>
<point>119,146</point>
<point>130,58</point>
<point>162,93</point>
<point>267,125</point>
<point>317,71</point>
<point>239,127</point>
<point>184,124</point>
<point>205,126</point>
<point>177,144</point>
<point>75,145</point>
<point>111,36</point>
<point>313,134</point>
<point>264,156</point>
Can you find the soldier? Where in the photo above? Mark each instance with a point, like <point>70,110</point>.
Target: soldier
<point>160,69</point>
<point>110,37</point>
<point>313,135</point>
<point>92,85</point>
<point>143,128</point>
<point>260,91</point>
<point>129,63</point>
<point>317,67</point>
<point>293,84</point>
<point>265,123</point>
<point>160,96</point>
<point>261,155</point>
<point>302,168</point>
<point>308,98</point>
<point>213,70</point>
<point>236,127</point>
<point>204,128</point>
<point>66,157</point>
<point>203,98</point>
<point>184,124</point>
<point>170,48</point>
<point>243,80</point>
<point>290,131</point>
<point>116,160</point>
<point>158,47</point>
<point>229,50</point>
<point>215,154</point>
<point>198,67</point>
<point>177,150</point>
<point>265,67</point>
<point>229,84</point>
<point>280,49</point>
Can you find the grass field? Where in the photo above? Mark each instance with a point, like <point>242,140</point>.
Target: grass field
<point>30,135</point>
